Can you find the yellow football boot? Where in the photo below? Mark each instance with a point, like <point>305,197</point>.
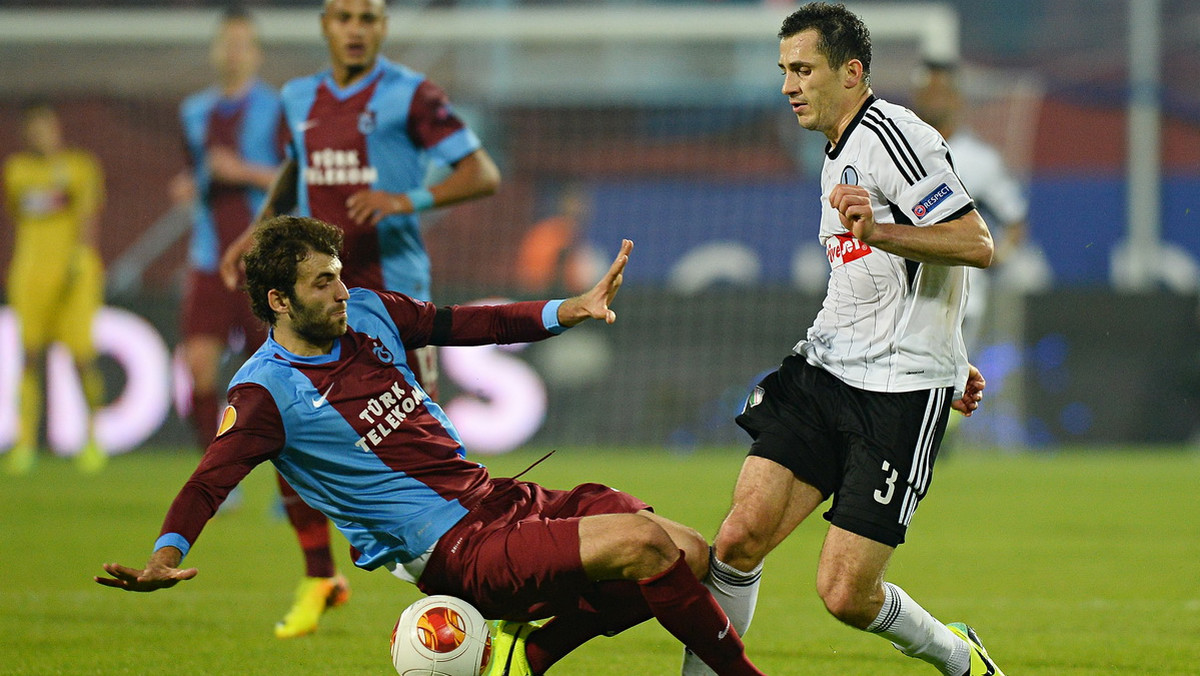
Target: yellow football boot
<point>981,662</point>
<point>313,596</point>
<point>508,649</point>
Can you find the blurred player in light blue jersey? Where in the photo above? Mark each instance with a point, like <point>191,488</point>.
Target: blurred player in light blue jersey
<point>363,135</point>
<point>331,401</point>
<point>857,412</point>
<point>235,133</point>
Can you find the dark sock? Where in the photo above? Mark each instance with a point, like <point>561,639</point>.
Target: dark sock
<point>688,610</point>
<point>616,605</point>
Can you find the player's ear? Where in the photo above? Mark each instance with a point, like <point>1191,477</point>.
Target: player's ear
<point>278,301</point>
<point>852,73</point>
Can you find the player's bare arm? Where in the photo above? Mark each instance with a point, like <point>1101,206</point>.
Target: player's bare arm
<point>228,167</point>
<point>161,571</point>
<point>476,175</point>
<point>594,304</point>
<point>962,241</point>
<point>182,188</point>
<point>972,393</point>
<point>281,198</point>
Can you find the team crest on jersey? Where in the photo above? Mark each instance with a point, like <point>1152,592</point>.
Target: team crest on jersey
<point>366,122</point>
<point>850,175</point>
<point>228,418</point>
<point>931,200</point>
<point>845,248</point>
<point>382,353</point>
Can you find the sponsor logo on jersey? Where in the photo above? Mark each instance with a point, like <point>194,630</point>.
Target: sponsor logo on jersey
<point>386,412</point>
<point>850,175</point>
<point>845,248</point>
<point>338,167</point>
<point>228,418</point>
<point>931,200</point>
<point>318,402</point>
<point>45,201</point>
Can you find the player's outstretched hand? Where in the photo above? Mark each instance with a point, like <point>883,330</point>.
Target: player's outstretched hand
<point>594,304</point>
<point>160,572</point>
<point>972,394</point>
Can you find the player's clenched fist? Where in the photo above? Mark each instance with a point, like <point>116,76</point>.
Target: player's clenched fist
<point>853,203</point>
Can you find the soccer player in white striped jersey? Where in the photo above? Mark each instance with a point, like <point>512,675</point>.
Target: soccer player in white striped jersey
<point>858,410</point>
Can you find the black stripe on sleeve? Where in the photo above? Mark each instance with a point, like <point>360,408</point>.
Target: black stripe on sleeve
<point>891,151</point>
<point>960,213</point>
<point>443,325</point>
<point>911,153</point>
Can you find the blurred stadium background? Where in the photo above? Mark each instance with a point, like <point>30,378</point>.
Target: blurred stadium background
<point>663,122</point>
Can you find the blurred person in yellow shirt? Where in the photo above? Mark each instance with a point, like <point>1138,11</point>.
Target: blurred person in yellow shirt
<point>53,195</point>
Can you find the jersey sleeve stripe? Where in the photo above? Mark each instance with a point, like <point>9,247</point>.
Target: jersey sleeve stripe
<point>904,140</point>
<point>963,211</point>
<point>895,142</point>
<point>891,151</point>
<point>443,326</point>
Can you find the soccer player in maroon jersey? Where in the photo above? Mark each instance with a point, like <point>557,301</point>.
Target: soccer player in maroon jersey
<point>330,400</point>
<point>363,135</point>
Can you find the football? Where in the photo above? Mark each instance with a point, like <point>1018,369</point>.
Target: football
<point>441,636</point>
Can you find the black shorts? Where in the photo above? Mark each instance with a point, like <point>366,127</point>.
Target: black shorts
<point>872,451</point>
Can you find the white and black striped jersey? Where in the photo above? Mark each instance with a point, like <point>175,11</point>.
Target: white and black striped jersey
<point>889,324</point>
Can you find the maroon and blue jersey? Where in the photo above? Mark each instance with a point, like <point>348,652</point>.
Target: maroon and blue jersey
<point>353,432</point>
<point>380,133</point>
<point>250,124</point>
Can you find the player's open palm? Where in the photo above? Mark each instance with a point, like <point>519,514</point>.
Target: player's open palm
<point>594,304</point>
<point>151,578</point>
<point>853,203</point>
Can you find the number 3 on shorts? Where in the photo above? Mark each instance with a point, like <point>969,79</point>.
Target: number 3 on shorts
<point>884,498</point>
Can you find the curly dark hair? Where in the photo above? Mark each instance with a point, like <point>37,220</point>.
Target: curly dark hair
<point>280,244</point>
<point>843,34</point>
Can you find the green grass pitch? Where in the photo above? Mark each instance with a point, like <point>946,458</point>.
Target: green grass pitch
<point>1073,563</point>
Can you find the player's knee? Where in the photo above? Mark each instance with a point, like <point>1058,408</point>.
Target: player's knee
<point>647,549</point>
<point>846,604</point>
<point>740,544</point>
<point>695,548</point>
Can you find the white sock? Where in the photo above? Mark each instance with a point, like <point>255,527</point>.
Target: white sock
<point>917,634</point>
<point>737,593</point>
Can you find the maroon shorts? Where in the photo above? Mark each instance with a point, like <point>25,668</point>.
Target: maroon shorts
<point>210,309</point>
<point>515,556</point>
